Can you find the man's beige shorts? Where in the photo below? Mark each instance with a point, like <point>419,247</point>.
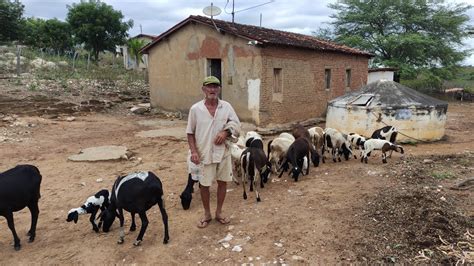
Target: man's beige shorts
<point>221,171</point>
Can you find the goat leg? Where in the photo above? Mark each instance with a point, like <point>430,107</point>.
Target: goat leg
<point>11,225</point>
<point>244,175</point>
<point>164,217</point>
<point>34,210</point>
<point>257,176</point>
<point>92,220</point>
<point>122,231</point>
<point>133,226</point>
<point>142,229</point>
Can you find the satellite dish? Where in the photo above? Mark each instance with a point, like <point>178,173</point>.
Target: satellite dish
<point>211,11</point>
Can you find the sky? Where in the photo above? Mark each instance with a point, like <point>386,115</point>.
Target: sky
<point>157,16</point>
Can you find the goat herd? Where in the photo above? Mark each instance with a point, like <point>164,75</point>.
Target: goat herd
<point>138,192</point>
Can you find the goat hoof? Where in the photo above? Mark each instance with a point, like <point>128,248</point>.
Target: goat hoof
<point>133,228</point>
<point>137,243</point>
<point>258,199</point>
<point>245,196</point>
<point>165,241</point>
<point>120,241</point>
<point>17,247</point>
<point>31,239</point>
<point>96,229</point>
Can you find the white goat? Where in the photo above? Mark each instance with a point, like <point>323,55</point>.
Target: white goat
<point>277,149</point>
<point>379,144</point>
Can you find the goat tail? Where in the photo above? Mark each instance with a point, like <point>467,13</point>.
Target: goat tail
<point>36,171</point>
<point>269,149</point>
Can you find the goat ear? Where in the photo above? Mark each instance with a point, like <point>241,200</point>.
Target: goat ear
<point>76,217</point>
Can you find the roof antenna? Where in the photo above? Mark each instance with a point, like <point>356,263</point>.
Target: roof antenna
<point>212,11</point>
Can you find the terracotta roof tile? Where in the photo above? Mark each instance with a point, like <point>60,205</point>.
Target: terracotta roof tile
<point>266,36</point>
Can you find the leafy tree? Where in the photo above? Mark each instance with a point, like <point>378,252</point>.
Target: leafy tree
<point>57,34</point>
<point>134,47</point>
<point>412,35</point>
<point>32,34</point>
<point>11,13</point>
<point>51,33</point>
<point>97,25</point>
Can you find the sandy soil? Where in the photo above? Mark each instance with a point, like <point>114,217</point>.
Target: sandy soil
<point>340,212</point>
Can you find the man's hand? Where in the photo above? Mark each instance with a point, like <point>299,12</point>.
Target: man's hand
<point>195,158</point>
<point>220,138</point>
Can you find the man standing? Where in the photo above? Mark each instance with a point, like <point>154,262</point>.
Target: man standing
<point>206,137</point>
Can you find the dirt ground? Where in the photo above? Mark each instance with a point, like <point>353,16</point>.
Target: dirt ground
<point>404,212</point>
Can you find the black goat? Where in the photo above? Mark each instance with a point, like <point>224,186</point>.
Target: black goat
<point>187,194</point>
<point>135,193</point>
<point>100,201</point>
<point>20,188</point>
<point>299,149</point>
<point>255,167</point>
<point>299,131</point>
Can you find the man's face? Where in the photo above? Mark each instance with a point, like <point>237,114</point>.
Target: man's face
<point>211,91</point>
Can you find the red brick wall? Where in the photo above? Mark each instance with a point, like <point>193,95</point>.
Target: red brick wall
<point>304,95</point>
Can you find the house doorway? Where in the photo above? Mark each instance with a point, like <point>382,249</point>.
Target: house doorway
<point>214,69</point>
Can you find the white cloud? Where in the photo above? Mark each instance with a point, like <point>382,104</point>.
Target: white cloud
<point>157,16</point>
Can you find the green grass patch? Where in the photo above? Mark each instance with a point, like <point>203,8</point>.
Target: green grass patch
<point>442,175</point>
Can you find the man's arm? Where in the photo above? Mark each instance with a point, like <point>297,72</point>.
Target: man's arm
<point>194,151</point>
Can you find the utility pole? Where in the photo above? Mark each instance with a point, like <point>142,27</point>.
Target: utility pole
<point>141,29</point>
<point>233,12</point>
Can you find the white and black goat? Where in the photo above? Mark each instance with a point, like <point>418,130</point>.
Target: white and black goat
<point>135,193</point>
<point>255,168</point>
<point>253,139</point>
<point>335,140</point>
<point>388,133</point>
<point>356,141</point>
<point>100,201</point>
<point>20,188</point>
<point>379,144</point>
<point>297,152</point>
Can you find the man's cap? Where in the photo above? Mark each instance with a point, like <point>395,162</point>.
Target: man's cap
<point>211,80</point>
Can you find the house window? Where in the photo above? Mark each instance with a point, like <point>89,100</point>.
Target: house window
<point>214,69</point>
<point>277,80</point>
<point>348,78</point>
<point>327,78</point>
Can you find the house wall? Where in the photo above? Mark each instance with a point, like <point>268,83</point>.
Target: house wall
<point>303,93</point>
<point>177,66</point>
<point>378,75</point>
